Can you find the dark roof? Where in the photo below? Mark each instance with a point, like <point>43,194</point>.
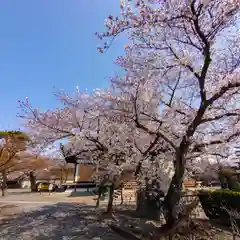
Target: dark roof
<point>74,159</point>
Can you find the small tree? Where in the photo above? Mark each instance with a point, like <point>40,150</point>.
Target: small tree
<point>12,145</point>
<point>33,164</point>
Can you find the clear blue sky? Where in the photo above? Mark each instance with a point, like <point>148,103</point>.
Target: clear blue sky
<point>51,43</point>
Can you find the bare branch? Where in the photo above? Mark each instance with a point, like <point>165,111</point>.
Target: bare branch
<point>230,114</point>
<point>222,91</point>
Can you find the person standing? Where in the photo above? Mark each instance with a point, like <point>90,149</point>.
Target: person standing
<point>50,188</point>
<point>39,187</point>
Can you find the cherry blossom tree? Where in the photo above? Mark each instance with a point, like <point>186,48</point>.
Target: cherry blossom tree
<point>33,164</point>
<point>91,133</point>
<point>182,80</point>
<point>176,103</point>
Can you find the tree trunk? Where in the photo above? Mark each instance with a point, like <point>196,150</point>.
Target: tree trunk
<point>66,175</point>
<point>32,179</point>
<point>100,193</point>
<point>98,199</point>
<point>146,207</point>
<point>172,199</point>
<point>3,190</point>
<point>75,173</point>
<point>173,196</point>
<point>4,183</point>
<point>61,177</point>
<point>174,192</point>
<point>110,200</point>
<point>121,195</point>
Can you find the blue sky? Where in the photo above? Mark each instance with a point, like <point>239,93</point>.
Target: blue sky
<point>51,43</point>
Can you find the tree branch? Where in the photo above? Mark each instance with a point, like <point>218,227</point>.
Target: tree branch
<point>204,120</point>
<point>141,126</point>
<point>226,140</point>
<point>222,91</point>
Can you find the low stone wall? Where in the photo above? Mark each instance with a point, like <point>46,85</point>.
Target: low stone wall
<point>25,184</point>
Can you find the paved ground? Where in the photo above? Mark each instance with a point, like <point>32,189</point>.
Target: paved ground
<point>28,216</point>
<point>25,196</point>
<point>31,216</point>
<point>56,221</point>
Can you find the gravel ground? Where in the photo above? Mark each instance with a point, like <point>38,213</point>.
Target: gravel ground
<point>28,216</point>
<point>63,221</point>
<point>56,221</point>
<point>31,216</point>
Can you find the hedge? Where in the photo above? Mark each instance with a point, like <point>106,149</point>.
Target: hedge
<point>213,203</point>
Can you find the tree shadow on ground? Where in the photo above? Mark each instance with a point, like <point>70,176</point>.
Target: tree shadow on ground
<point>56,222</point>
<point>17,191</point>
<point>129,219</point>
<point>126,210</point>
<point>82,194</point>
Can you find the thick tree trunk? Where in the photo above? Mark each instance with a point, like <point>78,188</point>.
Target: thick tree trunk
<point>110,200</point>
<point>32,179</point>
<point>146,207</point>
<point>171,201</point>
<point>175,190</point>
<point>4,183</point>
<point>174,193</point>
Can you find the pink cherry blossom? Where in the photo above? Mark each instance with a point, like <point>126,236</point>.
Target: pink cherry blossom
<point>175,106</point>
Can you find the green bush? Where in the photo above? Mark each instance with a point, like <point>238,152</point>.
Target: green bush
<point>103,189</point>
<point>229,180</point>
<point>213,203</point>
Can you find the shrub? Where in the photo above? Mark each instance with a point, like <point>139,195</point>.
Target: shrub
<point>214,202</point>
<point>103,189</point>
<point>229,179</point>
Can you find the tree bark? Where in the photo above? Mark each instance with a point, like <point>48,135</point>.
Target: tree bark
<point>146,207</point>
<point>75,172</point>
<point>61,177</point>
<point>4,183</point>
<point>3,190</point>
<point>32,179</point>
<point>100,193</point>
<point>110,200</point>
<point>66,175</point>
<point>175,190</point>
<point>172,199</point>
<point>121,196</point>
<point>98,199</point>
